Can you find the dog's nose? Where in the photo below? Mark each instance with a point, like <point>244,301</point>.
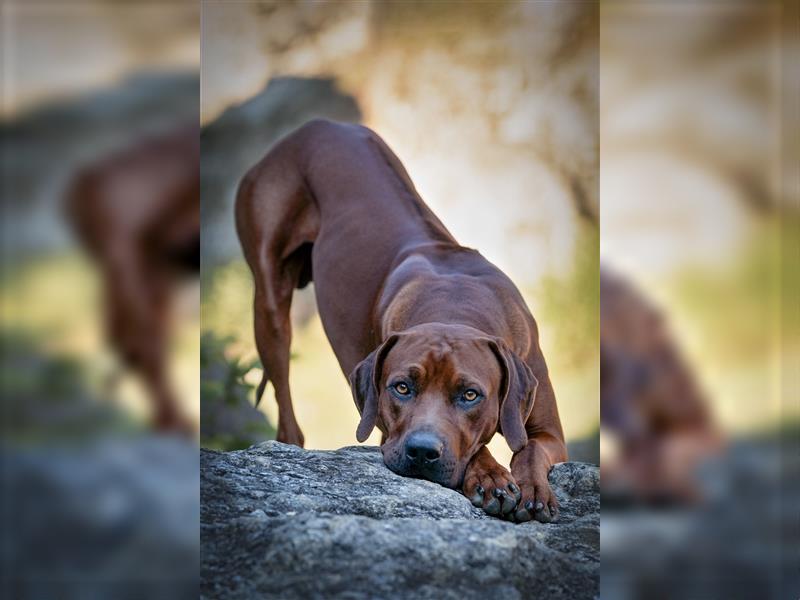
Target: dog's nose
<point>423,448</point>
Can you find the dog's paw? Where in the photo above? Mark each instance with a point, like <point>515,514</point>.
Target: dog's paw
<point>538,502</point>
<point>492,488</point>
<point>174,423</point>
<point>290,435</point>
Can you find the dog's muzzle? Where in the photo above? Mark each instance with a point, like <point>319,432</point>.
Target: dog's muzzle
<point>423,455</point>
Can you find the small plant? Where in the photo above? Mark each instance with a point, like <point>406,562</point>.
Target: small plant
<point>47,395</point>
<point>228,419</point>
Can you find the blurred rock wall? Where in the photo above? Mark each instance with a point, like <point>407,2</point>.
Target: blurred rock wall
<point>237,139</point>
<point>691,131</point>
<point>492,107</point>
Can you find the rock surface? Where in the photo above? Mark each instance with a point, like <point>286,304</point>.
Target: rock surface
<point>281,522</point>
<point>716,549</point>
<point>111,517</point>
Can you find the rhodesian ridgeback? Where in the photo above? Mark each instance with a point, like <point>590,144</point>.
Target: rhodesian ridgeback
<point>651,402</point>
<point>137,212</point>
<point>439,347</point>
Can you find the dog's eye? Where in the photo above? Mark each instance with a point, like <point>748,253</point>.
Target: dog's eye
<point>470,396</point>
<point>402,388</point>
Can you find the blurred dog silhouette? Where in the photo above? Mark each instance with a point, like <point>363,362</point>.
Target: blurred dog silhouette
<point>650,402</point>
<point>137,212</point>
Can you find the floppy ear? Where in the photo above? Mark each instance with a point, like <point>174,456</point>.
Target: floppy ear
<point>364,381</point>
<point>517,393</point>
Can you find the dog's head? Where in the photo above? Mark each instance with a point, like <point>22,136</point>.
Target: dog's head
<point>438,393</point>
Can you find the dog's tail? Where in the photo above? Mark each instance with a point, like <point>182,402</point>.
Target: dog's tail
<point>261,387</point>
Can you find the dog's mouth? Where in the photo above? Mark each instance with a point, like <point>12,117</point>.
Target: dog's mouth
<point>445,471</point>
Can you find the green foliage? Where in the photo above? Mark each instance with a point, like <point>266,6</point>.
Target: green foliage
<point>789,232</point>
<point>228,419</point>
<point>46,395</point>
<point>222,378</point>
<point>570,306</point>
<point>737,309</point>
<point>227,302</point>
<point>26,370</point>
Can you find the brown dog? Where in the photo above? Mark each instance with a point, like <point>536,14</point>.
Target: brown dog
<point>138,214</point>
<point>440,349</point>
<point>651,402</point>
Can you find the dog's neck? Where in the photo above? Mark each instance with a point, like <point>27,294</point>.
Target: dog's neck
<point>451,295</point>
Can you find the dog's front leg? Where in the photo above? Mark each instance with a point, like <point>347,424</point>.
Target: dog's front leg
<point>530,467</point>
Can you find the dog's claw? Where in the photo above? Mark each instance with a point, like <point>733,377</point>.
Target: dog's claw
<point>526,512</point>
<point>553,513</point>
<point>507,502</point>
<point>542,513</point>
<point>493,507</point>
<point>515,490</point>
<point>522,515</point>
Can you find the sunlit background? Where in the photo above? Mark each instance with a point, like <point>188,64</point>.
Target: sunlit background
<point>699,212</point>
<point>93,503</point>
<point>493,110</point>
<point>82,81</point>
<point>692,189</point>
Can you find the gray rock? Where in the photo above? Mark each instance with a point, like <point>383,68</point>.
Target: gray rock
<point>112,517</point>
<point>281,522</point>
<point>742,542</point>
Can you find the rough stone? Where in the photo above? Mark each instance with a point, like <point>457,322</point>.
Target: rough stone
<point>113,517</point>
<point>281,522</point>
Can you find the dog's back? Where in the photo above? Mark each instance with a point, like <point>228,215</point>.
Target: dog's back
<point>288,222</point>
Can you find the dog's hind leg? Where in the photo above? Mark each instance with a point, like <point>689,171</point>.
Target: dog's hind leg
<point>277,224</point>
<point>273,332</point>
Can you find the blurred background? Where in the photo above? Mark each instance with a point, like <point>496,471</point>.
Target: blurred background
<point>499,111</point>
<point>492,108</point>
<point>699,233</point>
<point>93,503</point>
